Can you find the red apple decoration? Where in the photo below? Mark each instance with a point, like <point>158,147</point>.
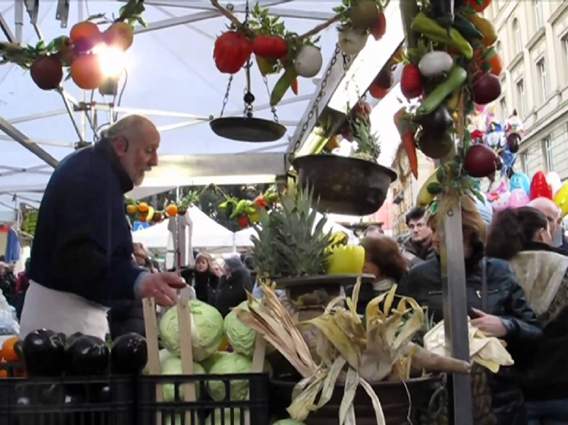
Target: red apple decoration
<point>47,72</point>
<point>481,161</point>
<point>486,88</point>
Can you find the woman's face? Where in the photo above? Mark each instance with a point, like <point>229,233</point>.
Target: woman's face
<point>371,268</point>
<point>216,269</point>
<point>227,272</point>
<point>544,236</point>
<point>201,264</point>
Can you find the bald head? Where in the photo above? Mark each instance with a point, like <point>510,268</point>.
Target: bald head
<point>135,140</point>
<point>550,210</point>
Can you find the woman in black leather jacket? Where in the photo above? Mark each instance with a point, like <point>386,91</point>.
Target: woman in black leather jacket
<point>521,237</point>
<point>508,315</point>
<point>202,277</point>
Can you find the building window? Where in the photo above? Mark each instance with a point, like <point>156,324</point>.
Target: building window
<point>565,52</point>
<point>517,34</point>
<point>503,109</point>
<point>549,154</point>
<point>538,14</point>
<point>541,67</point>
<point>533,159</point>
<point>522,98</point>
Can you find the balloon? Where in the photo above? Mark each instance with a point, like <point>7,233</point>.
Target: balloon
<point>499,198</point>
<point>561,199</point>
<point>540,187</point>
<point>521,181</point>
<point>519,198</point>
<point>554,181</point>
<point>480,109</point>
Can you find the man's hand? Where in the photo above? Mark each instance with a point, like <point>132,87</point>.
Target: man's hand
<point>161,287</point>
<point>488,324</point>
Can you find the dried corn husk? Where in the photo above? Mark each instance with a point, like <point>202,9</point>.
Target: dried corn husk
<point>486,351</point>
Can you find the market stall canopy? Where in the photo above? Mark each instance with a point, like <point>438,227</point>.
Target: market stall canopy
<point>207,233</point>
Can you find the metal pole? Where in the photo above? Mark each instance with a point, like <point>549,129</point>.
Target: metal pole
<point>70,112</point>
<point>19,20</point>
<point>6,30</point>
<point>23,140</point>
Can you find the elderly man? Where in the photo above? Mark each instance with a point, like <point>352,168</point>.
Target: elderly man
<point>553,215</point>
<point>82,256</point>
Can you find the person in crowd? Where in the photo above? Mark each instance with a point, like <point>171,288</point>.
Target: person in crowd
<point>233,286</point>
<point>127,316</point>
<point>81,257</point>
<point>217,269</point>
<point>22,285</point>
<point>205,280</point>
<point>522,237</point>
<point>383,260</point>
<point>373,231</point>
<point>418,247</point>
<point>554,216</point>
<point>508,316</point>
<point>250,267</point>
<point>7,282</point>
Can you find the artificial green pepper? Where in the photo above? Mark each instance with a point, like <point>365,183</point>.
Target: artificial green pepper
<point>431,30</point>
<point>466,28</point>
<point>282,86</point>
<point>455,79</point>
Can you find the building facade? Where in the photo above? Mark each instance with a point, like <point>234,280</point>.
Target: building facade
<point>533,43</point>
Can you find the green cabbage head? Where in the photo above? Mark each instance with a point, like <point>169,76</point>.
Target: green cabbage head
<point>288,422</point>
<point>212,359</point>
<point>173,367</point>
<point>206,330</point>
<point>227,413</point>
<point>240,336</point>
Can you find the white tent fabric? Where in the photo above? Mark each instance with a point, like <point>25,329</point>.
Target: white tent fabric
<point>206,233</point>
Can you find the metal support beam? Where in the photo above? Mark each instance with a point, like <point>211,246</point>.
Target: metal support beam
<point>19,20</point>
<point>70,112</point>
<point>19,137</point>
<point>6,30</point>
<point>41,115</point>
<point>40,142</point>
<point>197,17</point>
<point>455,308</point>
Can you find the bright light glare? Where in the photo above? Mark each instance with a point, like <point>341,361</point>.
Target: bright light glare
<point>111,59</point>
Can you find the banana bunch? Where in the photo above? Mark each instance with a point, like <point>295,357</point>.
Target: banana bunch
<point>29,223</point>
<point>425,195</point>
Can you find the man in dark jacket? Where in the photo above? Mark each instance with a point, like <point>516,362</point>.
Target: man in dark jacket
<point>418,247</point>
<point>81,258</point>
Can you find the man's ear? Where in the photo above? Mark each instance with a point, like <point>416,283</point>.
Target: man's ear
<point>120,145</point>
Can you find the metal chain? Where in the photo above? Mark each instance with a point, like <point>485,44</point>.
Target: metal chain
<point>226,98</point>
<point>273,109</point>
<point>320,95</point>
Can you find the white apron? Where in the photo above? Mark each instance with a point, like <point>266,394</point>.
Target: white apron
<point>62,312</point>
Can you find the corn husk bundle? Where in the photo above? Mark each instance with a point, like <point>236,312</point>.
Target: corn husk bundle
<point>488,352</point>
<point>350,352</point>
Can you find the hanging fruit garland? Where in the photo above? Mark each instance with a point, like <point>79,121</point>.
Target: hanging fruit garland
<point>277,50</point>
<point>145,213</point>
<point>245,211</point>
<point>450,66</point>
<point>80,52</point>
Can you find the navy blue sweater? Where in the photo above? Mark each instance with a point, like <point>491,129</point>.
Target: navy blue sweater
<point>83,243</point>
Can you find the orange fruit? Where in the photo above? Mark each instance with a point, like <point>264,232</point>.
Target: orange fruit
<point>120,35</point>
<point>85,29</point>
<point>143,207</point>
<point>131,209</point>
<point>9,350</point>
<point>496,64</point>
<point>86,72</point>
<point>378,92</point>
<point>3,373</point>
<point>172,210</point>
<point>142,218</point>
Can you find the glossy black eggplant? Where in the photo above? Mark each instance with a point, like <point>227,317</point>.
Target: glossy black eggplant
<point>88,356</point>
<point>44,354</point>
<point>438,122</point>
<point>443,12</point>
<point>129,354</point>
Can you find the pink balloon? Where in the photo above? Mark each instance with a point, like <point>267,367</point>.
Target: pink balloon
<point>479,108</point>
<point>519,198</point>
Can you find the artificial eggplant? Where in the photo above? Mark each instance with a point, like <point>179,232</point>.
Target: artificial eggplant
<point>44,354</point>
<point>466,28</point>
<point>443,11</point>
<point>455,79</point>
<point>437,122</point>
<point>129,354</point>
<point>88,356</point>
<point>435,145</point>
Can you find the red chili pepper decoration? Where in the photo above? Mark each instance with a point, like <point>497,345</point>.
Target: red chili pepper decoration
<point>269,47</point>
<point>232,51</point>
<point>540,187</point>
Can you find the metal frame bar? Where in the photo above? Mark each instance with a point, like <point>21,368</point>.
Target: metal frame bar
<point>40,142</point>
<point>19,20</point>
<point>6,29</point>
<point>27,118</point>
<point>196,17</point>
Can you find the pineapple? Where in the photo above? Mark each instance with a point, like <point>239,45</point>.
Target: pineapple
<point>367,141</point>
<point>290,243</point>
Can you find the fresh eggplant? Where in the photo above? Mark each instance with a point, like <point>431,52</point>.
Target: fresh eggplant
<point>88,356</point>
<point>44,354</point>
<point>129,354</point>
<point>437,122</point>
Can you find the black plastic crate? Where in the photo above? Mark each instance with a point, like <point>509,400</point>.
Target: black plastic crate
<point>12,370</point>
<point>68,401</point>
<point>204,411</point>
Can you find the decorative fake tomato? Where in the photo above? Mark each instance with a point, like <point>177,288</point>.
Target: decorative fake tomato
<point>269,47</point>
<point>377,91</point>
<point>232,51</point>
<point>478,5</point>
<point>346,260</point>
<point>380,27</point>
<point>540,187</point>
<point>411,81</point>
<point>243,222</point>
<point>261,201</point>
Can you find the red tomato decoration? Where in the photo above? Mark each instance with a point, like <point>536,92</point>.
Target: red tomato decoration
<point>243,222</point>
<point>377,91</point>
<point>540,187</point>
<point>261,201</point>
<point>269,47</point>
<point>411,81</point>
<point>380,27</point>
<point>232,51</point>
